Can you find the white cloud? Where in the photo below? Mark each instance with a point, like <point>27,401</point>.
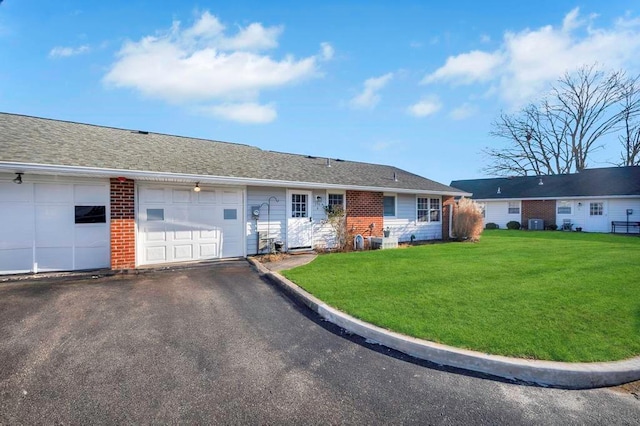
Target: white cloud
<point>427,106</point>
<point>369,97</point>
<point>485,38</point>
<point>203,64</point>
<point>528,60</point>
<point>466,68</point>
<point>326,51</point>
<point>64,52</point>
<point>464,111</point>
<point>250,112</point>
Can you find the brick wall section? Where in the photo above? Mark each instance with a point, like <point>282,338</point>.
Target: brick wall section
<point>363,209</point>
<point>538,209</point>
<point>123,235</point>
<point>448,203</point>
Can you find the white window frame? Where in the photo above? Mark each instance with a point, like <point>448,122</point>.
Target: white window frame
<point>439,209</point>
<point>344,198</point>
<point>509,207</point>
<point>395,205</point>
<point>599,211</point>
<point>563,204</point>
<point>429,209</point>
<point>426,216</point>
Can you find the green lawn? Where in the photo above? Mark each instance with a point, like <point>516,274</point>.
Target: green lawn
<point>543,295</point>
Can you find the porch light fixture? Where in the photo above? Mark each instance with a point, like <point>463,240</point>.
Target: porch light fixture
<point>499,191</point>
<point>541,182</point>
<point>18,179</point>
<point>319,200</point>
<point>197,187</point>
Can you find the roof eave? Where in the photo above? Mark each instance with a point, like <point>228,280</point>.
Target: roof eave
<point>205,179</point>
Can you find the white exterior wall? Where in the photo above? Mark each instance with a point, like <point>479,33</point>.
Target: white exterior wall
<point>405,224</point>
<point>275,223</point>
<point>614,209</point>
<point>498,212</point>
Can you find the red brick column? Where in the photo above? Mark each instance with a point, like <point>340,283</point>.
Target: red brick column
<point>363,209</point>
<point>538,209</point>
<point>448,203</point>
<point>123,235</point>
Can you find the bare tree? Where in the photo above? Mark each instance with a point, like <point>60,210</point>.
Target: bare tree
<point>558,134</point>
<point>630,137</point>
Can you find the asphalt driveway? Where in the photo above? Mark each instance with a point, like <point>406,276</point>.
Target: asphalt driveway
<point>216,344</point>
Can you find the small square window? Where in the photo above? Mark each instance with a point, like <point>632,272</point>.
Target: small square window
<point>230,214</point>
<point>389,205</point>
<point>155,215</point>
<point>91,214</point>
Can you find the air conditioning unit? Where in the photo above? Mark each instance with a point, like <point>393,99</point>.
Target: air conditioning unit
<point>536,225</point>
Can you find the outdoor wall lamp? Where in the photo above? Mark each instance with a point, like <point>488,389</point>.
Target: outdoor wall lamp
<point>197,187</point>
<point>18,178</point>
<point>319,200</point>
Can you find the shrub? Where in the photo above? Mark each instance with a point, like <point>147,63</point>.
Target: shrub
<point>467,221</point>
<point>492,225</point>
<point>552,227</point>
<point>513,224</point>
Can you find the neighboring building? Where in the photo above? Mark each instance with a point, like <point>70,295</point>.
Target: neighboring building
<point>76,196</point>
<point>590,200</point>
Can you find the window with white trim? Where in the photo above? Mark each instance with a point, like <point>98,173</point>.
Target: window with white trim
<point>596,209</point>
<point>434,210</point>
<point>423,209</point>
<point>564,207</point>
<point>299,205</point>
<point>428,209</point>
<point>389,205</point>
<point>514,207</point>
<point>335,201</point>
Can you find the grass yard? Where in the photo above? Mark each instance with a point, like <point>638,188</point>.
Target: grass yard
<point>543,295</point>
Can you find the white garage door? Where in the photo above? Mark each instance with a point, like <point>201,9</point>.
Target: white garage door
<point>177,224</point>
<point>53,226</point>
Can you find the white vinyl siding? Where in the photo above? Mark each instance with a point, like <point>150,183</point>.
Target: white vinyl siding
<point>497,212</point>
<point>406,221</point>
<point>273,224</point>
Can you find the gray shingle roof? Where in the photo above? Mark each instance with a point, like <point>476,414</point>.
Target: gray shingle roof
<point>25,139</point>
<point>610,181</point>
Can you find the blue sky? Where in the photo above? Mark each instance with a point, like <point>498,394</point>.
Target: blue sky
<point>413,84</point>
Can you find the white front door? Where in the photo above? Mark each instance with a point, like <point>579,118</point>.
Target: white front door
<point>299,221</point>
<point>597,215</point>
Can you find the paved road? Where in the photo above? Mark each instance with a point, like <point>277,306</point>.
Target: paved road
<point>218,345</point>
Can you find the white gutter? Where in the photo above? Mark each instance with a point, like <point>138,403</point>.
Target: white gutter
<point>205,179</point>
<point>576,197</point>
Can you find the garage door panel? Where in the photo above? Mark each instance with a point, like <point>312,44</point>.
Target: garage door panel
<point>54,225</point>
<point>156,254</point>
<point>53,193</point>
<point>183,252</point>
<point>206,197</point>
<point>10,192</point>
<point>15,261</point>
<point>181,195</point>
<point>91,235</point>
<point>182,235</point>
<point>92,257</point>
<point>54,258</point>
<point>17,229</point>
<point>156,235</point>
<point>90,194</point>
<point>209,251</point>
<point>152,195</point>
<point>231,197</point>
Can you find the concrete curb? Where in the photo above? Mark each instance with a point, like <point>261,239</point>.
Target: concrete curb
<point>546,373</point>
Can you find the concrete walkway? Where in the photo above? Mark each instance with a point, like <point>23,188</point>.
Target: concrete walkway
<point>546,373</point>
